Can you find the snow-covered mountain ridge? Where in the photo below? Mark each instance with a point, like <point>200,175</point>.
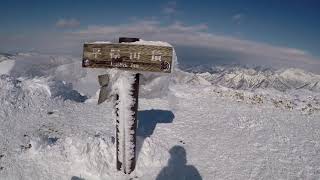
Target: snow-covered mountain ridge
<point>232,76</point>
<point>240,77</point>
<point>52,128</point>
<point>290,89</point>
<point>287,88</point>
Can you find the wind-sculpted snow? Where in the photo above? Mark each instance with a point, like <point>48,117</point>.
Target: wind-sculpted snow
<point>5,56</point>
<point>33,65</point>
<point>19,94</point>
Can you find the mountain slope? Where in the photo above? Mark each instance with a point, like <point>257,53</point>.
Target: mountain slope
<point>52,128</point>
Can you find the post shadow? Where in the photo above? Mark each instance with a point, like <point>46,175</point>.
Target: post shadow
<point>148,119</point>
<point>177,167</point>
<point>76,178</point>
<point>147,122</point>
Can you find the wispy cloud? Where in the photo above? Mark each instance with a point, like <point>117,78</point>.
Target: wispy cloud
<point>67,23</point>
<point>170,8</point>
<point>238,18</point>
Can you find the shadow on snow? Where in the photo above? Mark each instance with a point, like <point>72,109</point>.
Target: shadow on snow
<point>147,121</point>
<point>76,178</point>
<point>66,92</point>
<point>177,167</point>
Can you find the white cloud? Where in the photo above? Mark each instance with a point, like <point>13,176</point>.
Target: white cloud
<point>67,23</point>
<point>196,36</point>
<point>195,39</point>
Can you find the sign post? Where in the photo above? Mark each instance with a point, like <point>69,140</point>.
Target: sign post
<point>123,160</point>
<point>127,57</point>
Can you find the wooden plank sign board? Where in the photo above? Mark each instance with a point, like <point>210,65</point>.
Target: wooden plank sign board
<point>133,57</point>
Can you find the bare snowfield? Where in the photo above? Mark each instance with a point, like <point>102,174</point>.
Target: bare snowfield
<point>190,127</point>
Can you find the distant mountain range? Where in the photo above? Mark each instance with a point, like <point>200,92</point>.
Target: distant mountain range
<point>241,77</point>
<point>231,76</point>
<point>5,56</point>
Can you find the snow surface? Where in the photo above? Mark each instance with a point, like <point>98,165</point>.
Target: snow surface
<point>150,43</point>
<point>99,42</point>
<point>140,42</point>
<point>6,66</point>
<point>51,127</point>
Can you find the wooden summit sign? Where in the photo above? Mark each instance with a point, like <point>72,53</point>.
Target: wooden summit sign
<point>132,57</point>
<point>125,56</point>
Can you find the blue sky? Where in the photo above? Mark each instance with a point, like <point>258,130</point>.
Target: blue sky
<point>289,27</point>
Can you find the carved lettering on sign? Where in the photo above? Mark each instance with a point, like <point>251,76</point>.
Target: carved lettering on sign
<point>135,55</point>
<point>115,53</point>
<point>96,52</point>
<point>156,55</point>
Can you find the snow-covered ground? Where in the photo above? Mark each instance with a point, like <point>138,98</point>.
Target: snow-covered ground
<point>233,123</point>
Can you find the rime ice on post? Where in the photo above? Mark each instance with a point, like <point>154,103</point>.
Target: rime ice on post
<point>130,54</point>
<point>126,88</point>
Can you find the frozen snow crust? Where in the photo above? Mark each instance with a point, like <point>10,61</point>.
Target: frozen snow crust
<point>229,127</point>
